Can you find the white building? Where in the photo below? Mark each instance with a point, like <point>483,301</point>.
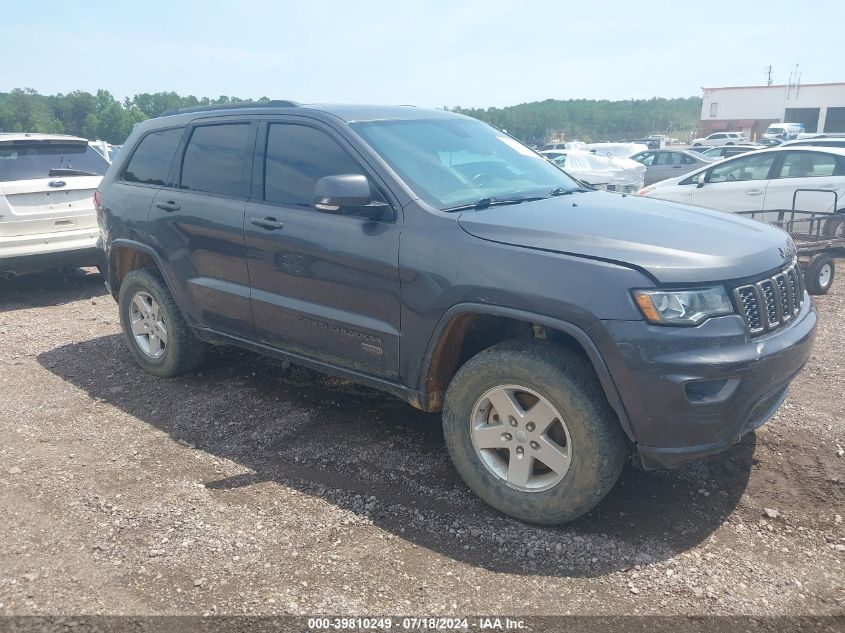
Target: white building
<point>750,109</point>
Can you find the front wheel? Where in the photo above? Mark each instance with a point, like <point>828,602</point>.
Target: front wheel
<point>531,433</point>
<point>818,276</point>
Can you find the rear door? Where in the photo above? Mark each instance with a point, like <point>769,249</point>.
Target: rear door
<point>34,203</point>
<point>323,285</point>
<point>197,224</point>
<point>666,165</point>
<point>736,184</point>
<point>814,179</point>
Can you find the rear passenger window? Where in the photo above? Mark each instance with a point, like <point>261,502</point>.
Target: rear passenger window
<point>214,159</point>
<point>150,164</point>
<point>668,158</point>
<point>808,165</point>
<point>297,157</point>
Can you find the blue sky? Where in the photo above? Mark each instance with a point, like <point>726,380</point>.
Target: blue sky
<point>430,53</point>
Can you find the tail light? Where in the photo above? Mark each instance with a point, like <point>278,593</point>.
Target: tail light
<point>97,201</point>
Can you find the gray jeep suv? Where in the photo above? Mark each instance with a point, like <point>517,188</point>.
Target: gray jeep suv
<point>429,255</point>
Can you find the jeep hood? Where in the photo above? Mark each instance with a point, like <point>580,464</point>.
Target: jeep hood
<point>673,242</point>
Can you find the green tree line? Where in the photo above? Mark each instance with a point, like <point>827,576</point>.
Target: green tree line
<point>93,116</point>
<point>593,120</point>
<point>102,116</point>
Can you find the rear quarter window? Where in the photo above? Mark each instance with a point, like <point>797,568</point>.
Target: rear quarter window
<point>151,161</point>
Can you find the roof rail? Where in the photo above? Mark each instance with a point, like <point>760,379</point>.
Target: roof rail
<point>275,103</point>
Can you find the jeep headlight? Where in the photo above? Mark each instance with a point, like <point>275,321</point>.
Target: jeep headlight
<point>683,307</point>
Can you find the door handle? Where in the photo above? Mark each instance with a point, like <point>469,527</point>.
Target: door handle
<point>271,224</point>
<point>753,192</point>
<point>676,166</point>
<point>169,206</point>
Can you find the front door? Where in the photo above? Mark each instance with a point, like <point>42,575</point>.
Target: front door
<point>324,286</point>
<point>198,225</point>
<point>736,184</point>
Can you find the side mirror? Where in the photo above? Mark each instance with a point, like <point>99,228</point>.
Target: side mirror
<point>702,178</point>
<point>347,194</point>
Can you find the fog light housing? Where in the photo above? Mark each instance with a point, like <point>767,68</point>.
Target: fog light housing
<point>711,391</point>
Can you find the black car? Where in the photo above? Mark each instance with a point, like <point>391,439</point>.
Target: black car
<point>434,257</point>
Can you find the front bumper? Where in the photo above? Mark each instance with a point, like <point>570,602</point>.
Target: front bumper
<point>658,371</point>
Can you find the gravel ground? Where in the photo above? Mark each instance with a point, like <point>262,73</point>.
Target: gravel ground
<point>257,487</point>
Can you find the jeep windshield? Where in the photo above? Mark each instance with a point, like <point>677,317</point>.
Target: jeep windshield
<point>30,160</point>
<point>455,164</point>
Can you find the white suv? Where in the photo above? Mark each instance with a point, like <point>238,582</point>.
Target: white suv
<point>720,138</point>
<point>47,216</point>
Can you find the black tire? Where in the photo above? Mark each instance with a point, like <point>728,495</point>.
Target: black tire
<point>567,381</point>
<point>696,144</point>
<point>819,273</point>
<point>183,351</point>
<point>728,143</point>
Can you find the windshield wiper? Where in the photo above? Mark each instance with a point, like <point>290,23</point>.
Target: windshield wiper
<point>562,191</point>
<point>492,201</point>
<point>62,171</point>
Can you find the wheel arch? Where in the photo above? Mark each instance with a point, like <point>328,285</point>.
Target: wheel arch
<point>467,329</point>
<point>127,255</point>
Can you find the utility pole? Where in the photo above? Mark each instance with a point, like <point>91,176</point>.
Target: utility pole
<point>769,80</point>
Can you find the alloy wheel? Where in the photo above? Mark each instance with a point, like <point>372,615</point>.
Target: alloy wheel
<point>521,438</point>
<point>146,320</point>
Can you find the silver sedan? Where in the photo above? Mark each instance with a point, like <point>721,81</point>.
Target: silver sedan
<point>668,163</point>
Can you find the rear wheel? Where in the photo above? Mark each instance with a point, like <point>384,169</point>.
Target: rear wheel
<point>531,433</point>
<point>158,337</point>
<point>818,276</point>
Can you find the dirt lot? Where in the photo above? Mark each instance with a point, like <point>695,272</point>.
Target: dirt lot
<point>257,487</point>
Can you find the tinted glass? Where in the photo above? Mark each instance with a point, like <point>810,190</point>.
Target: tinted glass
<point>28,161</point>
<point>454,162</point>
<point>668,158</point>
<point>807,165</point>
<point>214,159</point>
<point>688,160</point>
<point>754,167</point>
<point>150,164</point>
<point>644,158</point>
<point>297,157</point>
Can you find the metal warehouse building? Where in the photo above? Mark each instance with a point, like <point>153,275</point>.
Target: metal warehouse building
<point>750,109</point>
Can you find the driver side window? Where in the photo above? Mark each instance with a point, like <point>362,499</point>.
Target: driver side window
<point>744,168</point>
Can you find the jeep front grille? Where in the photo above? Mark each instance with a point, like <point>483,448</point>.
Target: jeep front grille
<point>771,302</point>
